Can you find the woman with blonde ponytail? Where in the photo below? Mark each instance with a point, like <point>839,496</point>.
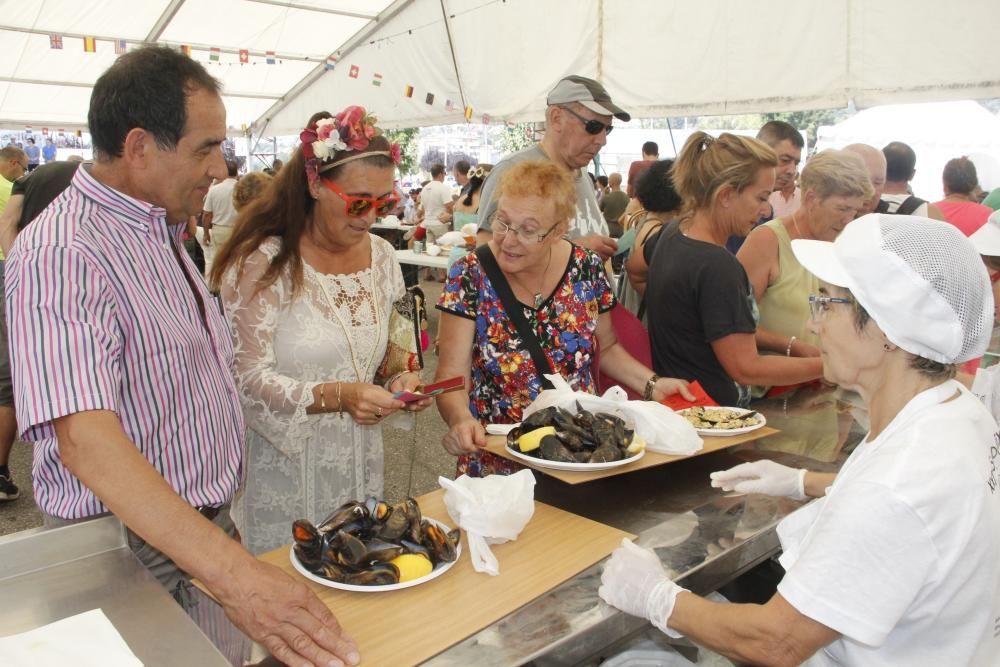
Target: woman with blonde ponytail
<point>701,309</point>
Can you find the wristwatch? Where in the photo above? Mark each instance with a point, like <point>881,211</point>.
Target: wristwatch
<point>647,393</point>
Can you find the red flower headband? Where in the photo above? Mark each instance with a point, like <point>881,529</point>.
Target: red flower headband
<point>351,130</point>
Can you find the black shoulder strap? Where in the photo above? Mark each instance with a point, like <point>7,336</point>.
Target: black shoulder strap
<point>515,311</point>
<point>909,205</point>
<point>882,207</point>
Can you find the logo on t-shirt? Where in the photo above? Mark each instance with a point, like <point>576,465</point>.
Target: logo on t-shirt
<point>994,478</point>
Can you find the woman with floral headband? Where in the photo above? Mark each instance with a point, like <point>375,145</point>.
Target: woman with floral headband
<point>320,344</point>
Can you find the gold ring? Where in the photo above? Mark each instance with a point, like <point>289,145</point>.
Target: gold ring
<point>378,413</point>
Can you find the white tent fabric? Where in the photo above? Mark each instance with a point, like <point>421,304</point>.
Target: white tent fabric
<point>936,132</point>
<point>657,57</point>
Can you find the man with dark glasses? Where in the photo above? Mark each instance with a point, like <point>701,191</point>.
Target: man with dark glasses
<point>577,121</point>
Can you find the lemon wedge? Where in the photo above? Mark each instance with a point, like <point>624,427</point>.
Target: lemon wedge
<point>412,566</point>
<point>533,439</point>
<point>637,445</point>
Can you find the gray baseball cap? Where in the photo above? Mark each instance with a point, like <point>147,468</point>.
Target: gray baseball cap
<point>587,92</point>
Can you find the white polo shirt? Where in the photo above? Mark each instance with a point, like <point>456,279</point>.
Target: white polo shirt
<point>902,556</point>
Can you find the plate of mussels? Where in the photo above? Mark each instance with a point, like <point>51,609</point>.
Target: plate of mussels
<point>559,439</point>
<point>719,421</point>
<point>372,546</point>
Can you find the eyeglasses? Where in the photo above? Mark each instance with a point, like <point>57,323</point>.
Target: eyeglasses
<point>502,227</point>
<point>478,172</point>
<point>820,304</point>
<point>589,124</point>
<point>357,207</point>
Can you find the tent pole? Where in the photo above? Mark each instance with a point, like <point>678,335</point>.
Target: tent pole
<point>165,18</point>
<point>600,40</point>
<point>454,60</point>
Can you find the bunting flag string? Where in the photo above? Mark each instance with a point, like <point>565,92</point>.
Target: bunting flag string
<point>89,45</point>
<point>120,46</point>
<point>55,41</point>
<point>214,53</point>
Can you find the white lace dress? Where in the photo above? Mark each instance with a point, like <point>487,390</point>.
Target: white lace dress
<point>299,465</point>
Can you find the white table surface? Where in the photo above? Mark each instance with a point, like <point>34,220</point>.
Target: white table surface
<point>422,259</point>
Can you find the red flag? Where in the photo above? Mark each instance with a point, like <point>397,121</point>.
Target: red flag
<point>244,56</point>
<point>355,71</point>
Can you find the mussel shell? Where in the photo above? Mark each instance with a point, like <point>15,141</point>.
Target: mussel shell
<point>442,547</point>
<point>552,449</point>
<point>514,435</point>
<point>380,551</point>
<point>349,549</point>
<point>378,510</point>
<point>343,515</point>
<point>544,417</point>
<point>307,537</point>
<point>380,574</point>
<point>607,453</point>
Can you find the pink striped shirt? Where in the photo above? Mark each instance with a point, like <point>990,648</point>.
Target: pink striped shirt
<point>102,318</point>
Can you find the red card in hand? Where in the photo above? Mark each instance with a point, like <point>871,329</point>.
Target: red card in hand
<point>431,390</point>
<point>678,402</point>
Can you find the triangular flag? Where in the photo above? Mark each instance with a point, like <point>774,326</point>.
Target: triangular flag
<point>120,46</point>
<point>468,113</point>
<point>409,91</point>
<point>430,98</point>
<point>89,45</point>
<point>376,79</point>
<point>269,55</point>
<point>213,54</point>
<point>331,62</point>
<point>55,41</point>
<point>355,71</point>
<point>244,56</point>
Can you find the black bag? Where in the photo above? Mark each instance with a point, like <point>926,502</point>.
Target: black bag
<point>515,311</point>
<point>909,205</point>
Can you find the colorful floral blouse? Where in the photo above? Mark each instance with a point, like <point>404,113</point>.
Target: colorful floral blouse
<point>504,378</point>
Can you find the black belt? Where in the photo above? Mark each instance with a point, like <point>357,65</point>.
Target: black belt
<point>209,512</point>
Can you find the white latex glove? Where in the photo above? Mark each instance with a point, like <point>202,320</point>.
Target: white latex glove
<point>634,581</point>
<point>767,477</point>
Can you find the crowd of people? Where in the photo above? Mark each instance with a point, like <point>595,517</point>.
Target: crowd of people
<point>208,415</point>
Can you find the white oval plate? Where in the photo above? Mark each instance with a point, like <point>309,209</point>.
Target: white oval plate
<point>435,573</point>
<point>723,432</point>
<point>501,429</point>
<point>578,467</point>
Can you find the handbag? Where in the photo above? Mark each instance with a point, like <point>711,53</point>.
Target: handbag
<point>407,335</point>
<point>515,311</point>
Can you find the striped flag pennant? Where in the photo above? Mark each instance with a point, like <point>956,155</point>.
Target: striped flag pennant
<point>214,53</point>
<point>355,71</point>
<point>244,56</point>
<point>55,41</point>
<point>89,45</point>
<point>429,99</point>
<point>468,113</point>
<point>409,91</point>
<point>270,57</point>
<point>376,79</point>
<point>186,50</point>
<point>331,62</point>
<point>120,46</point>
<point>449,105</point>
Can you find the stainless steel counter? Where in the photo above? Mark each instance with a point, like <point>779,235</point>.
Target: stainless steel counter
<point>705,538</point>
<point>49,575</point>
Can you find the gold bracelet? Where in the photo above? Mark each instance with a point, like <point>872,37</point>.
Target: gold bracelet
<point>340,406</point>
<point>322,400</point>
<point>647,393</point>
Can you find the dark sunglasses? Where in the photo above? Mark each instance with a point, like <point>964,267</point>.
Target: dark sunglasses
<point>359,206</point>
<point>590,125</point>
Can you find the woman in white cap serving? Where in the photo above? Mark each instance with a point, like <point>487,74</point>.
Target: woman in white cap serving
<point>897,562</point>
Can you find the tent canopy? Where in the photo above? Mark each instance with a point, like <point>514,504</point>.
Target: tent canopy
<point>500,57</point>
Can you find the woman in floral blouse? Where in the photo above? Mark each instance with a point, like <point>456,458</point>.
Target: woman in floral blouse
<point>565,295</point>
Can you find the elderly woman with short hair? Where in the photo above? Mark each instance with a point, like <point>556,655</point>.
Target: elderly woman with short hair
<point>896,562</point>
<point>561,293</point>
<point>835,185</point>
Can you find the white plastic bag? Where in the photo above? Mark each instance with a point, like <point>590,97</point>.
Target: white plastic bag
<point>986,387</point>
<point>491,510</point>
<point>663,430</point>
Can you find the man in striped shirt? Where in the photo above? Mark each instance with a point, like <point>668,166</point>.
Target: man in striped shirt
<point>122,357</point>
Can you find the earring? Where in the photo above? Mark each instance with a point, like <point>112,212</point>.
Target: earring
<point>887,347</point>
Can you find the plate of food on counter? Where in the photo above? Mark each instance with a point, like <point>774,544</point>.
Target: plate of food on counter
<point>372,546</point>
<point>559,439</point>
<point>721,421</point>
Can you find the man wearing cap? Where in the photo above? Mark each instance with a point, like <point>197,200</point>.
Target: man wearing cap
<point>577,122</point>
<point>895,563</point>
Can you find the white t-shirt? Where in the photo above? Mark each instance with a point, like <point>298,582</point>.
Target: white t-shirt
<point>219,202</point>
<point>434,197</point>
<point>902,557</point>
